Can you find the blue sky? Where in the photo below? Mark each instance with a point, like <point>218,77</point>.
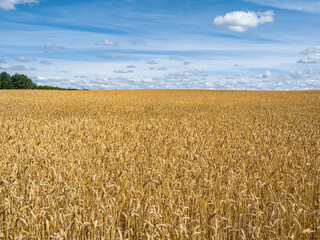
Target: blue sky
<point>143,44</point>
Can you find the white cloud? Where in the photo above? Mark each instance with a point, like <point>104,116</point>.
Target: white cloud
<point>108,42</point>
<point>314,84</point>
<point>299,74</point>
<point>51,47</point>
<point>151,62</point>
<point>41,78</point>
<point>266,74</point>
<point>10,4</point>
<point>312,55</point>
<point>45,79</point>
<point>112,57</point>
<point>131,66</point>
<point>16,67</point>
<point>22,59</point>
<point>45,62</point>
<point>312,58</point>
<point>141,78</point>
<point>4,67</point>
<point>22,68</point>
<point>123,71</point>
<point>182,76</point>
<point>240,21</point>
<point>83,76</point>
<point>55,81</point>
<point>315,49</point>
<point>186,63</point>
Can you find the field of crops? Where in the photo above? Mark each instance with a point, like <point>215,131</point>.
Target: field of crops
<point>159,165</point>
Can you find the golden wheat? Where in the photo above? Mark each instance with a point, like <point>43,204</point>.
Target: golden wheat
<point>159,165</point>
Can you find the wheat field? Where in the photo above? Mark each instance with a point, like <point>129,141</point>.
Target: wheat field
<point>159,164</point>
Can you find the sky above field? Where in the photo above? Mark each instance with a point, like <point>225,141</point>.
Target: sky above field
<point>159,44</point>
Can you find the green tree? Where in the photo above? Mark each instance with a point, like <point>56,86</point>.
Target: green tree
<point>5,81</point>
<point>21,81</point>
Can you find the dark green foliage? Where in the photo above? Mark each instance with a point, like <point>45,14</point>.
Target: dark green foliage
<point>51,88</point>
<point>6,81</point>
<point>21,81</point>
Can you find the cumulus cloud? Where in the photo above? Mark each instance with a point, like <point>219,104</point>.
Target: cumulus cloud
<point>16,67</point>
<point>22,68</point>
<point>51,47</point>
<point>311,55</point>
<point>275,79</point>
<point>192,79</point>
<point>112,57</point>
<point>108,42</point>
<point>240,21</point>
<point>266,74</point>
<point>151,62</point>
<point>45,62</point>
<point>11,4</point>
<point>183,76</point>
<point>123,71</point>
<point>131,66</point>
<point>186,79</point>
<point>56,81</point>
<point>22,59</point>
<point>312,58</point>
<point>311,50</point>
<point>300,74</point>
<point>186,63</point>
<point>4,67</point>
<point>46,79</point>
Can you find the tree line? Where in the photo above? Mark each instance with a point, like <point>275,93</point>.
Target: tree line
<point>21,81</point>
